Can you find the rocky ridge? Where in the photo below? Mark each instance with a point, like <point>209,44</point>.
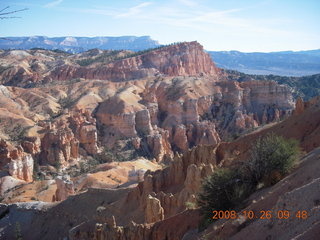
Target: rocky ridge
<point>35,66</point>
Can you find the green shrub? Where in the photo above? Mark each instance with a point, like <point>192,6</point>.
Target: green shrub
<point>225,189</point>
<point>190,205</point>
<point>18,234</point>
<point>271,158</point>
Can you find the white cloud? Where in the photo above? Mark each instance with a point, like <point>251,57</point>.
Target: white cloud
<point>189,3</point>
<point>205,20</point>
<point>105,12</point>
<point>134,10</point>
<point>53,4</point>
<point>198,18</point>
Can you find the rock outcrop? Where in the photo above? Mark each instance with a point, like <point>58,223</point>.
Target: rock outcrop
<point>31,145</point>
<point>19,164</point>
<point>59,145</point>
<point>183,59</point>
<point>303,127</point>
<point>299,106</point>
<point>22,168</point>
<point>65,188</point>
<point>169,105</point>
<point>166,113</point>
<point>63,138</point>
<point>161,197</point>
<point>84,128</point>
<point>154,212</point>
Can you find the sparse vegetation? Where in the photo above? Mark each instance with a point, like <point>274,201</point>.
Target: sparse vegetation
<point>36,171</point>
<point>106,57</point>
<point>58,165</point>
<point>2,68</point>
<point>114,55</point>
<point>18,132</point>
<point>271,158</point>
<point>66,102</point>
<point>190,205</point>
<point>225,189</point>
<point>17,232</point>
<point>173,92</point>
<point>87,166</point>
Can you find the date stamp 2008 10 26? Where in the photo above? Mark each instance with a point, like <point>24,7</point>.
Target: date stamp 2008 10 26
<point>280,214</point>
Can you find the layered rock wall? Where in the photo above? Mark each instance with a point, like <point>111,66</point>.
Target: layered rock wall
<point>19,164</point>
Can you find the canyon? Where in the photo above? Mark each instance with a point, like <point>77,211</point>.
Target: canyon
<point>133,134</point>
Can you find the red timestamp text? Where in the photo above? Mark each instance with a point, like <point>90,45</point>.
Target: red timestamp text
<point>263,214</point>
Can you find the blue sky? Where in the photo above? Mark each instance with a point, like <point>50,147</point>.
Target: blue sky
<point>244,25</point>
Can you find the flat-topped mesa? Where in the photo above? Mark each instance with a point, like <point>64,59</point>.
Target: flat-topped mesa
<point>183,59</point>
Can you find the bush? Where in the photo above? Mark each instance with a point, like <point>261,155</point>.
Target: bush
<point>271,158</point>
<point>17,231</point>
<point>225,189</point>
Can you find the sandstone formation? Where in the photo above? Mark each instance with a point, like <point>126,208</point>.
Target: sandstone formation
<point>59,146</point>
<point>299,106</point>
<point>20,164</point>
<point>84,128</point>
<point>31,145</point>
<point>22,168</point>
<point>154,211</point>
<point>303,127</point>
<point>189,120</point>
<point>62,139</point>
<point>65,188</point>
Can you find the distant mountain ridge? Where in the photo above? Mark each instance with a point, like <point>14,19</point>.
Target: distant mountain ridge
<point>286,63</point>
<point>79,44</point>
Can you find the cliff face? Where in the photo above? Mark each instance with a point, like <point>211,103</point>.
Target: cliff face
<point>20,164</point>
<point>62,139</point>
<point>186,111</point>
<point>183,59</point>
